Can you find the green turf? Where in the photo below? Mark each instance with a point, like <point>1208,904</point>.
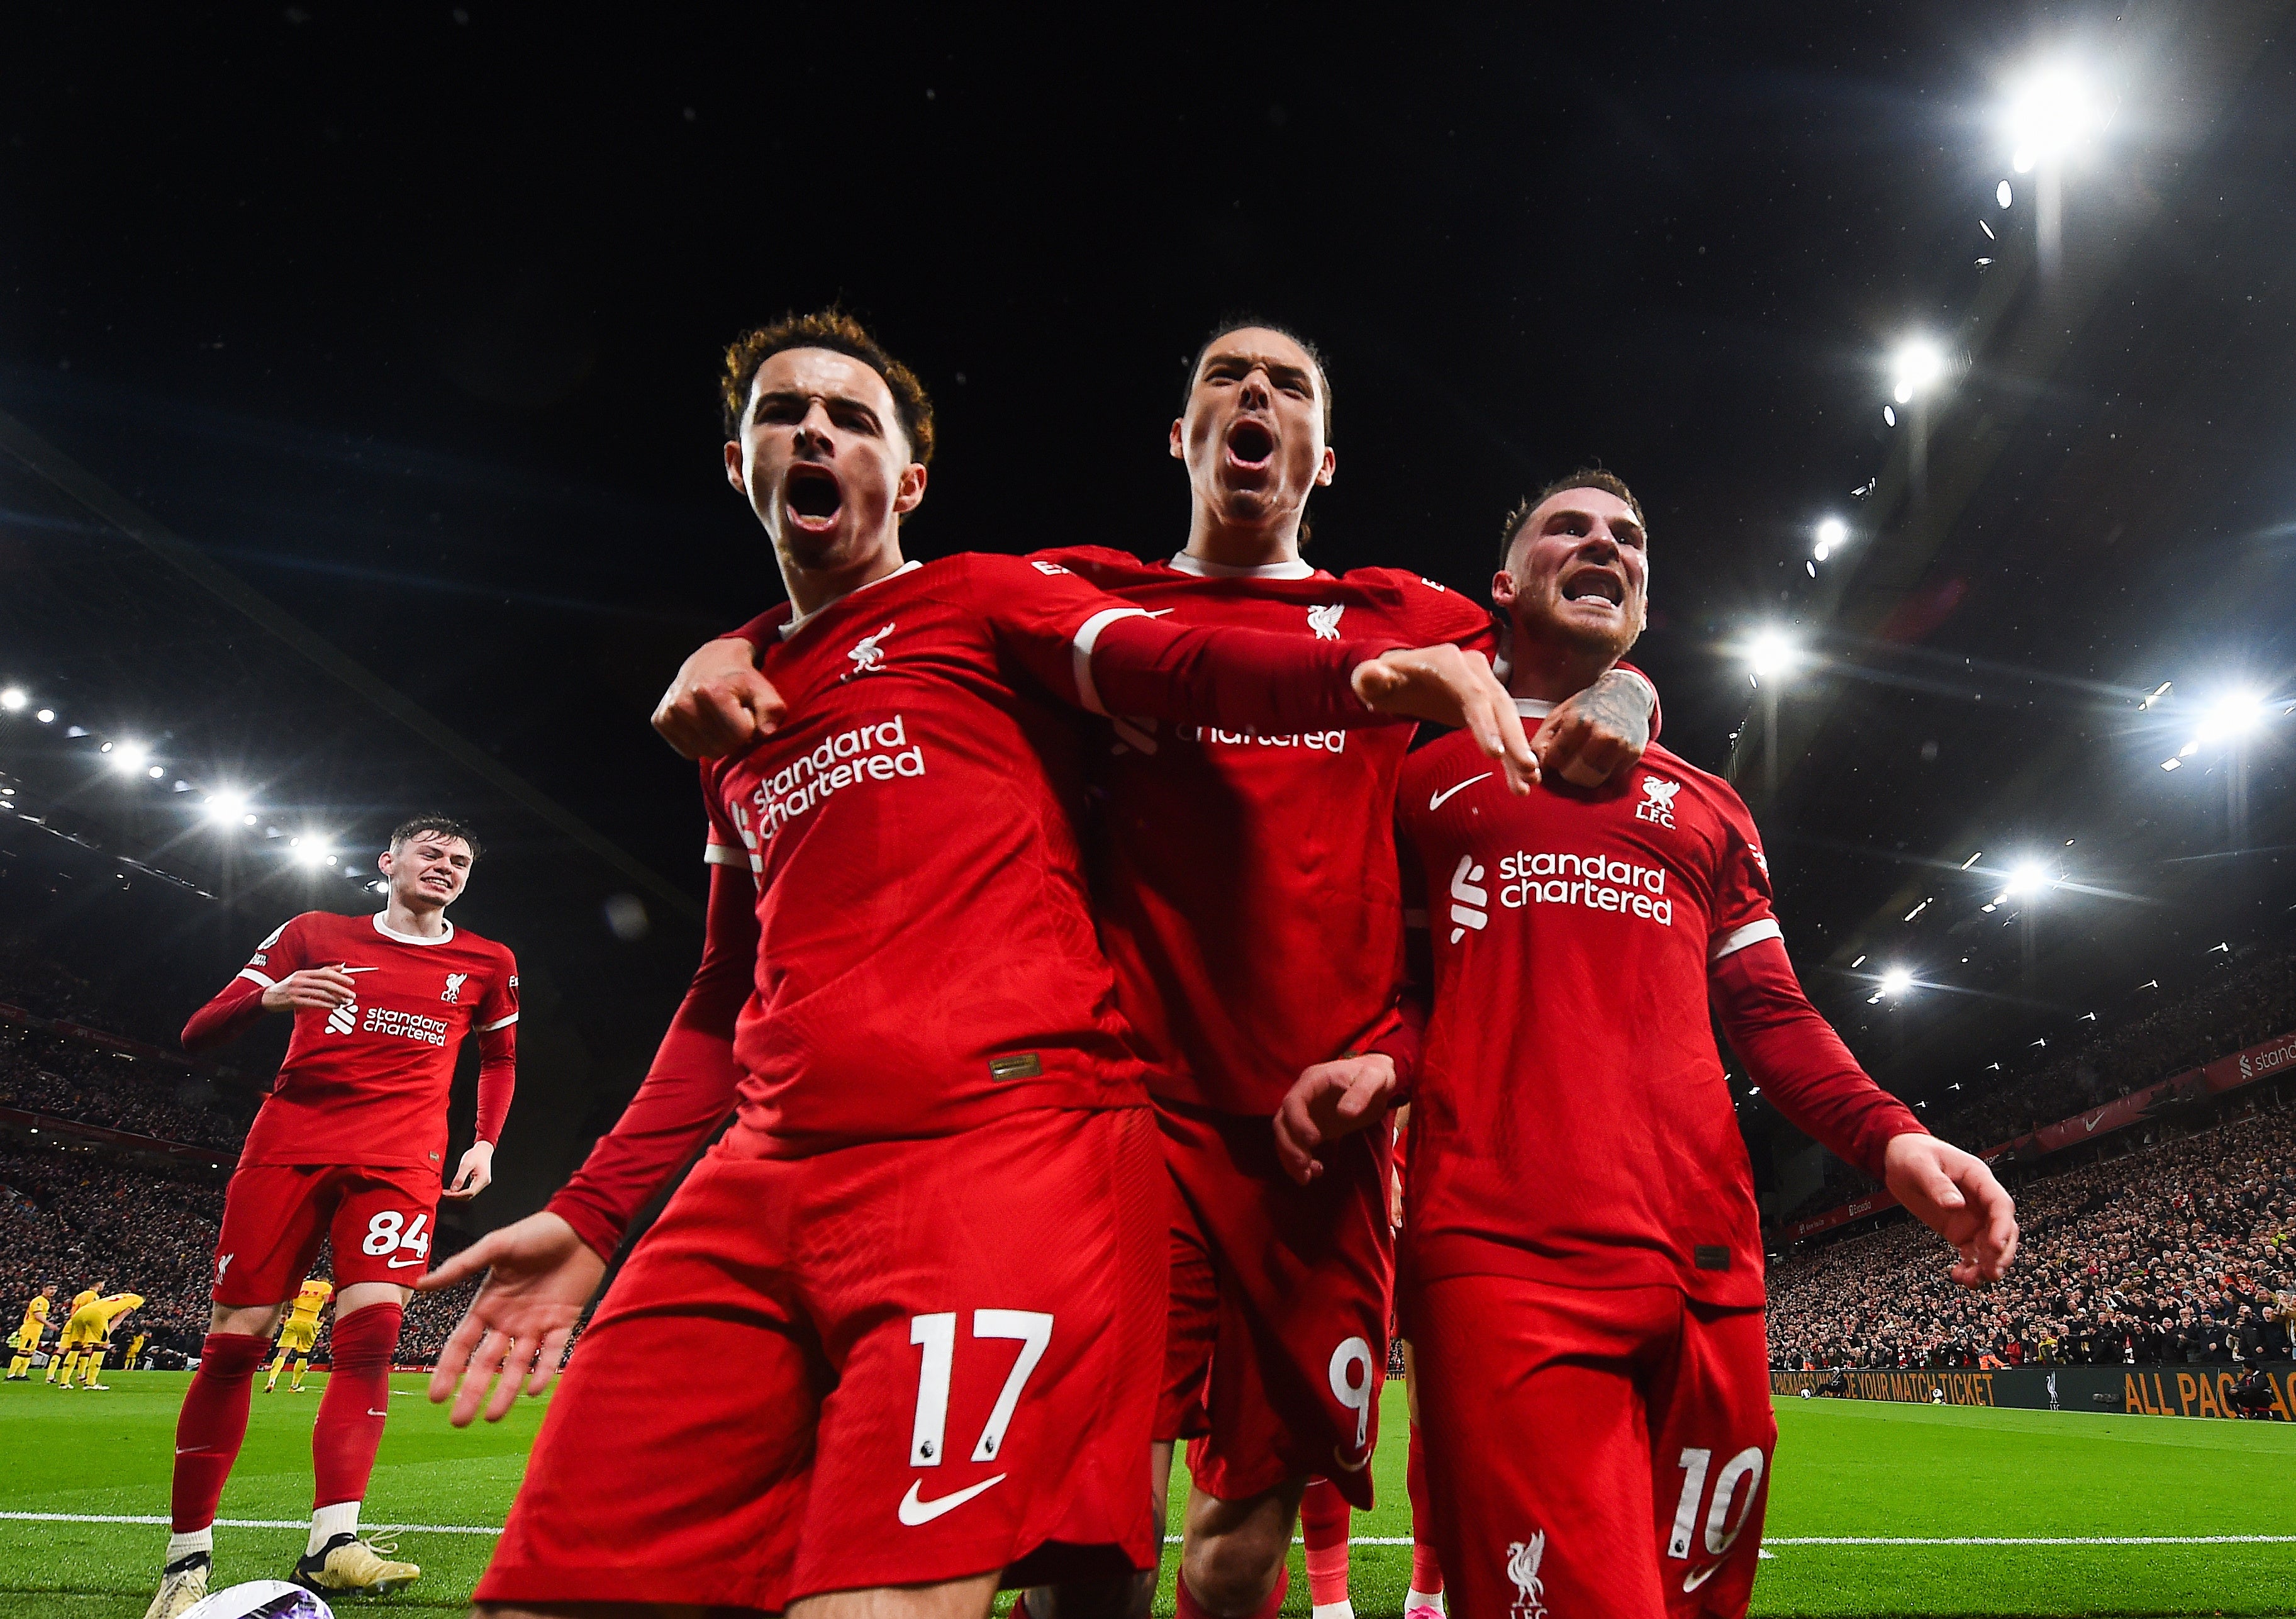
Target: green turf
<point>1843,1468</point>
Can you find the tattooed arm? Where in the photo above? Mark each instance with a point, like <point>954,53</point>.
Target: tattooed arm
<point>1591,736</point>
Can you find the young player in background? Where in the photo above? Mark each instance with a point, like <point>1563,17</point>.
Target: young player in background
<point>87,1335</point>
<point>80,1301</point>
<point>934,1234</point>
<point>1244,886</point>
<point>26,1341</point>
<point>1583,1246</point>
<point>348,1149</point>
<point>299,1332</point>
<point>134,1351</point>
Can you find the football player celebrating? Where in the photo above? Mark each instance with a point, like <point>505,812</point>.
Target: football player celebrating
<point>1245,887</point>
<point>943,1396</point>
<point>348,1147</point>
<point>1587,1296</point>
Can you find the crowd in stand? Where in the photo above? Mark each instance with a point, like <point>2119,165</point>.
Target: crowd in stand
<point>2180,1251</point>
<point>2251,1001</point>
<point>45,1073</point>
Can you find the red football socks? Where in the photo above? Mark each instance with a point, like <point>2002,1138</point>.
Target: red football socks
<point>212,1424</point>
<point>1426,1568</point>
<point>1190,1609</point>
<point>1324,1528</point>
<point>351,1411</point>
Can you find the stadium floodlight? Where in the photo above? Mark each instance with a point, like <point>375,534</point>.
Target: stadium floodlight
<point>1915,368</point>
<point>45,716</point>
<point>2232,716</point>
<point>155,773</point>
<point>2053,113</point>
<point>310,850</point>
<point>13,698</point>
<point>1832,534</point>
<point>2025,877</point>
<point>129,756</point>
<point>1771,655</point>
<point>1896,981</point>
<point>224,806</point>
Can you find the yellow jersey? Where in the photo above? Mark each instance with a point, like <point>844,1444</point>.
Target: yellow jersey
<point>36,1322</point>
<point>94,1320</point>
<point>309,1299</point>
<point>82,1301</point>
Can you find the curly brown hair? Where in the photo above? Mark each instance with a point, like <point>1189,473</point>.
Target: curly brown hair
<point>444,826</point>
<point>1584,478</point>
<point>834,330</point>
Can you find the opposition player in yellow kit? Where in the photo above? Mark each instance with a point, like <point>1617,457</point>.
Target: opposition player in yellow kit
<point>26,1341</point>
<point>89,1334</point>
<point>299,1332</point>
<point>80,1301</point>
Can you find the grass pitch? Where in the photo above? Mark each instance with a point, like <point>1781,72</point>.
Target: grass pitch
<point>1859,1472</point>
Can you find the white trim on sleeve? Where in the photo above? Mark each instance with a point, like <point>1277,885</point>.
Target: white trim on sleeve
<point>500,1022</point>
<point>1738,939</point>
<point>252,976</point>
<point>721,854</point>
<point>1087,638</point>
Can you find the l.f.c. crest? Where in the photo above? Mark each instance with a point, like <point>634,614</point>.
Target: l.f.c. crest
<point>1523,1558</point>
<point>453,990</point>
<point>1324,620</point>
<point>1657,800</point>
<point>868,657</point>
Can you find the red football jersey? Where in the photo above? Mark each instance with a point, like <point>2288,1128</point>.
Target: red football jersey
<point>928,961</point>
<point>1572,1122</point>
<point>1247,890</point>
<point>367,1083</point>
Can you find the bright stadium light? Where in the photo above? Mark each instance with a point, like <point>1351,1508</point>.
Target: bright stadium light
<point>13,698</point>
<point>129,756</point>
<point>309,850</point>
<point>45,716</point>
<point>2053,114</point>
<point>224,806</point>
<point>1896,981</point>
<point>1832,534</point>
<point>2025,877</point>
<point>2231,716</point>
<point>1915,368</point>
<point>1771,655</point>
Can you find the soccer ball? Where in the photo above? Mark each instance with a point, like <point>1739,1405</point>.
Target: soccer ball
<point>1937,1396</point>
<point>262,1600</point>
<point>1805,1393</point>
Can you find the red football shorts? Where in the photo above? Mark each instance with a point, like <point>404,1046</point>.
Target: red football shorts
<point>274,1216</point>
<point>1280,1294</point>
<point>898,1364</point>
<point>1592,1450</point>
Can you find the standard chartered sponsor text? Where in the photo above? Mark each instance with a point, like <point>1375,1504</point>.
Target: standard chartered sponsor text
<point>1595,881</point>
<point>1328,741</point>
<point>868,752</point>
<point>410,1025</point>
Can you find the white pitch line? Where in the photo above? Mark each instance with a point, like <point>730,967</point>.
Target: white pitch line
<point>1361,1539</point>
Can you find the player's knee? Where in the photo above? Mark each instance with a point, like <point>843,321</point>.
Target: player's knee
<point>1231,1573</point>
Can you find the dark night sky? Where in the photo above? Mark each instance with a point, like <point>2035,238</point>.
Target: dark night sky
<point>409,316</point>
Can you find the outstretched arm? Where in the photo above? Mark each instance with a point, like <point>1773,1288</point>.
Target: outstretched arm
<point>541,1272</point>
<point>1800,1062</point>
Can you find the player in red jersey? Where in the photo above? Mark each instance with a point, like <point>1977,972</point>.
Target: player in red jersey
<point>348,1146</point>
<point>1246,890</point>
<point>941,1394</point>
<point>1584,1250</point>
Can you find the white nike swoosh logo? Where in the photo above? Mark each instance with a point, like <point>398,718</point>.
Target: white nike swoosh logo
<point>189,1449</point>
<point>372,1412</point>
<point>1436,802</point>
<point>915,1511</point>
<point>358,969</point>
<point>401,1264</point>
<point>1690,1582</point>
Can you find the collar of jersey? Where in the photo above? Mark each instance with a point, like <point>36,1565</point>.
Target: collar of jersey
<point>1294,569</point>
<point>390,933</point>
<point>802,619</point>
<point>1533,707</point>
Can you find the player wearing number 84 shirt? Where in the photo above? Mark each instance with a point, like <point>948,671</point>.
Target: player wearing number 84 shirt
<point>349,1147</point>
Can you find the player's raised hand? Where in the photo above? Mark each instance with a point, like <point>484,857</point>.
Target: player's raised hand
<point>718,703</point>
<point>539,1275</point>
<point>325,988</point>
<point>1329,1101</point>
<point>474,1174</point>
<point>1954,1195</point>
<point>1449,686</point>
<point>1589,737</point>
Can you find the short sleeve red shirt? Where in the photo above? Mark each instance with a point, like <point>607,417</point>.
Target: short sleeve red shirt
<point>1572,1122</point>
<point>1247,892</point>
<point>927,959</point>
<point>368,1083</point>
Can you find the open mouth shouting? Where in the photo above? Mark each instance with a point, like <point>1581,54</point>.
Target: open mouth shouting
<point>1250,445</point>
<point>1598,586</point>
<point>811,497</point>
